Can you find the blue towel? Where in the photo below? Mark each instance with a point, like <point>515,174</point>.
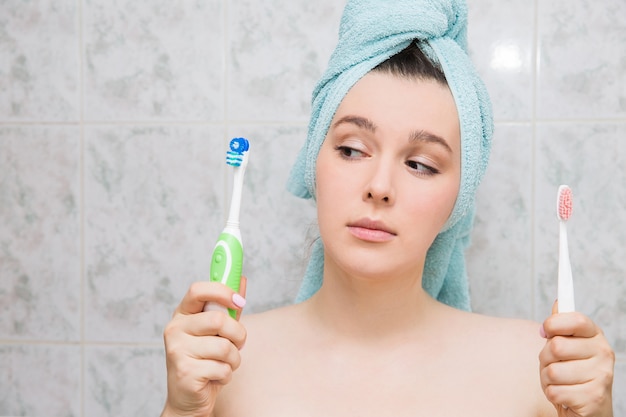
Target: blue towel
<point>370,32</point>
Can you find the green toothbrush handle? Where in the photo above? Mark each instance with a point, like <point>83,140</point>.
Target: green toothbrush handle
<point>227,262</point>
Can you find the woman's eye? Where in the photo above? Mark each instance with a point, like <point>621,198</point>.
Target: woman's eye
<point>349,153</point>
<point>421,168</point>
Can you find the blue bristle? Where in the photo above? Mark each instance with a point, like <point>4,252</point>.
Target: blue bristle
<point>234,159</point>
<point>239,145</point>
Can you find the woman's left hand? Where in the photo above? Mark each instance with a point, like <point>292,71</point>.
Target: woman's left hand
<point>576,366</point>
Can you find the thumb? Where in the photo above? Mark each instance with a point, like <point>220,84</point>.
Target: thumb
<point>555,307</point>
<point>242,291</point>
<point>561,411</point>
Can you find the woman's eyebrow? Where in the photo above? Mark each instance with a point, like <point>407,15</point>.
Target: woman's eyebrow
<point>424,136</point>
<point>416,136</point>
<point>359,121</point>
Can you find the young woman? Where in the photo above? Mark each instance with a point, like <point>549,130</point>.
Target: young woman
<point>372,341</point>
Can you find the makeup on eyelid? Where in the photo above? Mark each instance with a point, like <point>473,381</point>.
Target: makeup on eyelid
<point>418,135</point>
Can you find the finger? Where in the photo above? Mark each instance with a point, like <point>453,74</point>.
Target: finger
<point>217,323</point>
<point>570,324</point>
<point>193,350</point>
<point>223,325</point>
<point>201,359</point>
<point>214,348</point>
<point>242,291</point>
<point>210,323</point>
<point>218,372</point>
<point>580,399</point>
<point>555,307</point>
<point>568,372</point>
<point>561,348</point>
<point>197,374</point>
<point>199,293</point>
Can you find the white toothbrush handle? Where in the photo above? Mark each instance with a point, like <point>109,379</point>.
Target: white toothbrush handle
<point>565,282</point>
<point>235,200</point>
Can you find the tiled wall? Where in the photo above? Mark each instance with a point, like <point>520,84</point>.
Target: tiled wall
<point>114,121</point>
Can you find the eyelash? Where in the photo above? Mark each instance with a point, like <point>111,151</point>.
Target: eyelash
<point>424,170</point>
<point>345,151</point>
<point>417,167</point>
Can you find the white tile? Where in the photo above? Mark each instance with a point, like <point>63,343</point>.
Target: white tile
<point>619,389</point>
<point>582,72</point>
<point>153,206</point>
<point>153,60</point>
<point>501,45</point>
<point>39,233</point>
<point>499,260</point>
<point>124,381</point>
<point>277,52</point>
<point>39,61</point>
<point>40,380</point>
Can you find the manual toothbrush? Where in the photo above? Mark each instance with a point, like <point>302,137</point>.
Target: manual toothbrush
<point>565,282</point>
<point>227,259</point>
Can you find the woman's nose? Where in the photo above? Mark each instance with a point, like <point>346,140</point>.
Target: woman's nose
<point>380,187</point>
<point>376,197</point>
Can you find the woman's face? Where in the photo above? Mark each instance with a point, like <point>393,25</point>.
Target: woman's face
<point>387,175</point>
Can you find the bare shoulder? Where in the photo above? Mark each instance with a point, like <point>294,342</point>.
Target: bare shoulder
<point>525,333</point>
<point>498,336</point>
<point>509,352</point>
<point>286,318</point>
<point>281,328</point>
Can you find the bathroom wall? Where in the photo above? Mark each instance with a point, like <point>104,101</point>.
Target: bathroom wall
<point>114,121</point>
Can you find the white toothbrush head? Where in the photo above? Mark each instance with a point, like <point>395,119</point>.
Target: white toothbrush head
<point>564,203</point>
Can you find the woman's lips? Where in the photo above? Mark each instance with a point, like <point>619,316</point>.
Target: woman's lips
<point>371,230</point>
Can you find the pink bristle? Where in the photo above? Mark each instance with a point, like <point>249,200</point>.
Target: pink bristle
<point>565,202</point>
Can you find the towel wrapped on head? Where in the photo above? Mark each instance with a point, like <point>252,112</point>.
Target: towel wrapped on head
<point>371,31</point>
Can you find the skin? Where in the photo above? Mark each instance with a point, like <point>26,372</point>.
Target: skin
<point>371,342</point>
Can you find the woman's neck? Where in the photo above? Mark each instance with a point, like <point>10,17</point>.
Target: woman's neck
<point>366,308</point>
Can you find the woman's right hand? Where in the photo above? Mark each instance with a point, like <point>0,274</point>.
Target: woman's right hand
<point>202,349</point>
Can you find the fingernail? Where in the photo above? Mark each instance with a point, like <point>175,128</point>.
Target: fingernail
<point>542,331</point>
<point>239,300</point>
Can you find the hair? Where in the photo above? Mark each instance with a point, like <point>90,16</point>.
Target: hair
<point>412,62</point>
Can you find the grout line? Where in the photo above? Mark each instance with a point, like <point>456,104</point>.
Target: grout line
<point>225,79</point>
<point>532,120</point>
<point>80,343</point>
<point>533,166</point>
<point>225,55</point>
<point>226,121</point>
<point>81,88</point>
